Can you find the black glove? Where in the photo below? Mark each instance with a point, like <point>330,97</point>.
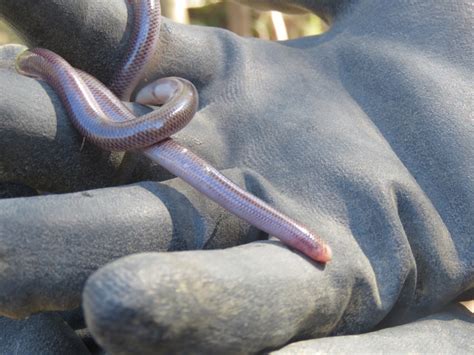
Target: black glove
<point>364,134</point>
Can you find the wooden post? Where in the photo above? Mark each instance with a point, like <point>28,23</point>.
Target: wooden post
<point>239,19</point>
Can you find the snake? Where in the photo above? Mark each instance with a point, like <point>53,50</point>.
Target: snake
<point>97,111</point>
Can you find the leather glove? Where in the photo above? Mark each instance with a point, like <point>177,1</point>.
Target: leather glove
<point>364,134</point>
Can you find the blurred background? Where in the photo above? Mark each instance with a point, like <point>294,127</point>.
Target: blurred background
<point>240,19</point>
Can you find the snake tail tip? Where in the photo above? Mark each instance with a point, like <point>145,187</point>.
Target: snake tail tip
<point>322,253</point>
<point>327,253</point>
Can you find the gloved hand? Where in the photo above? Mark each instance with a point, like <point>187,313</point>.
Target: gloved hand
<point>363,134</point>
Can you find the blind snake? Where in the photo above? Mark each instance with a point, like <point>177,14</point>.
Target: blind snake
<point>101,118</point>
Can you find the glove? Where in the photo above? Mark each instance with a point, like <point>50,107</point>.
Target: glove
<point>450,329</point>
<point>363,134</point>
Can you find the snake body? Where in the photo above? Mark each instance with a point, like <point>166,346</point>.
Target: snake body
<point>101,118</point>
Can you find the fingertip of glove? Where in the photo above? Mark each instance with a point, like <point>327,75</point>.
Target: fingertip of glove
<point>118,303</point>
<point>108,297</point>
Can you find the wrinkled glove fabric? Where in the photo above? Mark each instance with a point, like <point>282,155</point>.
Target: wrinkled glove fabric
<point>365,134</point>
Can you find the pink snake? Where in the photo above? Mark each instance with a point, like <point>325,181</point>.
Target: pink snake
<point>102,119</point>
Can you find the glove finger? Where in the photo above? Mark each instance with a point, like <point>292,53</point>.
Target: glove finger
<point>238,300</point>
<point>448,332</point>
<point>10,190</point>
<point>39,334</point>
<point>71,235</point>
<point>40,147</point>
<point>88,33</point>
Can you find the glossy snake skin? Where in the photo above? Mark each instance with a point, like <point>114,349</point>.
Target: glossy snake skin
<point>102,119</point>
